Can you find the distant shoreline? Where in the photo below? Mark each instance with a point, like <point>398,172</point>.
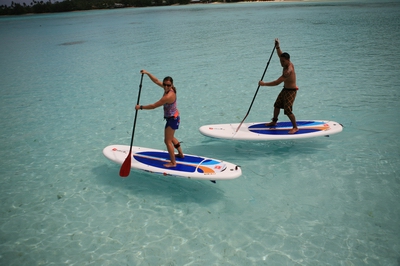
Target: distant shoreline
<point>215,2</point>
<point>81,5</point>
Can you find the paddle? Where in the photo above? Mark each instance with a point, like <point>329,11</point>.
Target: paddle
<point>126,166</point>
<point>256,90</point>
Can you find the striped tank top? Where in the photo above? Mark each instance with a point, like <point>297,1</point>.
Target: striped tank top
<point>170,109</point>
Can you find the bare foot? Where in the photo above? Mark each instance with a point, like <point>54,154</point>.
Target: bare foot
<point>169,165</point>
<point>180,156</point>
<point>270,124</point>
<point>293,130</point>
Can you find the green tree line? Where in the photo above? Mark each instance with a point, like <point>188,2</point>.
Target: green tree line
<point>74,5</point>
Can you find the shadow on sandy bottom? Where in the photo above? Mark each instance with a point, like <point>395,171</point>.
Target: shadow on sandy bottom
<point>146,184</point>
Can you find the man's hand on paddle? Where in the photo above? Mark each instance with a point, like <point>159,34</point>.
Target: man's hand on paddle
<point>276,43</point>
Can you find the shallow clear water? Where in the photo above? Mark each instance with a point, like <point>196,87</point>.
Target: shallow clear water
<point>69,83</point>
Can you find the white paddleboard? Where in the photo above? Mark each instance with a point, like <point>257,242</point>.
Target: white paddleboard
<point>259,131</point>
<point>192,166</point>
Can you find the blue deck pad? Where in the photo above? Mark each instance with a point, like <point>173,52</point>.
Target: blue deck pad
<point>283,132</point>
<point>288,124</point>
<point>187,164</point>
<point>165,155</point>
<point>210,162</point>
<point>159,163</point>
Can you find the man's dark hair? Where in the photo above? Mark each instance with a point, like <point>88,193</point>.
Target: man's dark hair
<point>286,56</point>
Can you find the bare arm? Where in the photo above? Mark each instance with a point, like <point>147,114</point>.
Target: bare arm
<point>272,83</point>
<point>168,98</point>
<point>278,48</point>
<point>152,77</point>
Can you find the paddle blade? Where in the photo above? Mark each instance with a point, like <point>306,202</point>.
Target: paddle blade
<point>126,166</point>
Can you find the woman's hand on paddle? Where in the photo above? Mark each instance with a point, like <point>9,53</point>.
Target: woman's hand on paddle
<point>152,77</point>
<point>137,107</point>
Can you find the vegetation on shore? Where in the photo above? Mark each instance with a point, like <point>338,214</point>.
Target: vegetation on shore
<point>75,5</point>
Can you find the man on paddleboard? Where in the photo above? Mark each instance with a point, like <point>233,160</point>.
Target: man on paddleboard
<point>171,114</point>
<point>287,96</point>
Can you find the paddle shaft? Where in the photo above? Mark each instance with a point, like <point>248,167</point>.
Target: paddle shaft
<point>136,112</point>
<point>265,70</point>
<point>126,166</point>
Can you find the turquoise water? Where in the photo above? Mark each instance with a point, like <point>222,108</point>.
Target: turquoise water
<point>69,83</point>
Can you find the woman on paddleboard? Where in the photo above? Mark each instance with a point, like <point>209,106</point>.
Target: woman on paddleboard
<point>171,114</point>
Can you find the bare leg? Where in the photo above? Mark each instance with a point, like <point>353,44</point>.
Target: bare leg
<point>275,119</point>
<point>293,120</point>
<point>168,140</point>
<point>177,146</point>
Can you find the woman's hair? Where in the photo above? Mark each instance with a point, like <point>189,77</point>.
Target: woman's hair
<point>168,78</point>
